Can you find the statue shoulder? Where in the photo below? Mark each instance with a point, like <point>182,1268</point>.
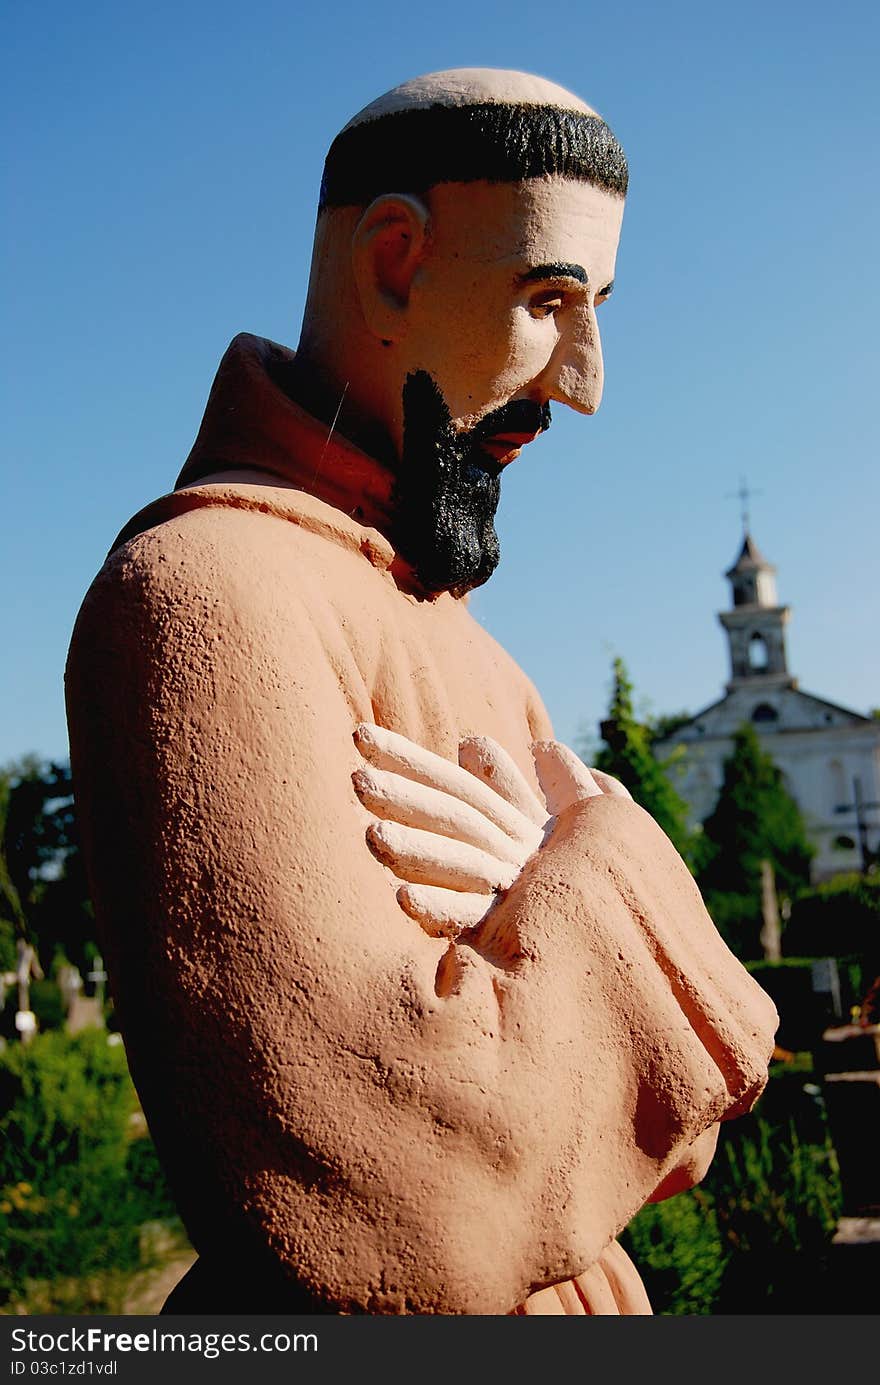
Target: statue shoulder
<point>229,504</point>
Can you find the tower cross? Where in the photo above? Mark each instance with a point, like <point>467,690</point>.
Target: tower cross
<point>744,494</point>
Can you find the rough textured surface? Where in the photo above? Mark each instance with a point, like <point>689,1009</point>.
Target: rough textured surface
<point>396,1148</point>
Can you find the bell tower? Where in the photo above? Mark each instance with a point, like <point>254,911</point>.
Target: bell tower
<point>755,624</point>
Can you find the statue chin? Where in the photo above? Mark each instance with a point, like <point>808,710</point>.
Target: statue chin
<point>692,1169</point>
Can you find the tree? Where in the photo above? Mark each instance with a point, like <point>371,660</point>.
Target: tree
<point>663,725</point>
<point>755,820</point>
<point>628,755</point>
<point>839,918</point>
<point>43,892</point>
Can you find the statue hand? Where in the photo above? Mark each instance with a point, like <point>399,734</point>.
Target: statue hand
<point>459,835</point>
<point>609,1288</point>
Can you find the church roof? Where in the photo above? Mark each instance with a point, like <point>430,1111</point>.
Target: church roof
<point>797,711</point>
<point>750,558</point>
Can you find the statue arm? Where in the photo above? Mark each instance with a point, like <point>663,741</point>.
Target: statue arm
<point>458,837</point>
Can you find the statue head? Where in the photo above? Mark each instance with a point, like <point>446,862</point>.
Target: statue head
<point>467,234</point>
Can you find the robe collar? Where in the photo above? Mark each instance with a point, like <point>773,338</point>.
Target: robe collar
<point>251,423</point>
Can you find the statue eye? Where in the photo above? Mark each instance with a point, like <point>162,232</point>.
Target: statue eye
<point>547,305</point>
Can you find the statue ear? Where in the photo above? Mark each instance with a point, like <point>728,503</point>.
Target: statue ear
<point>387,247</point>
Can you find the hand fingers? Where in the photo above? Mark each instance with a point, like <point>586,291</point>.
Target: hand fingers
<point>563,777</point>
<point>423,858</point>
<point>390,796</point>
<point>443,913</point>
<point>487,760</point>
<point>545,1302</point>
<point>389,751</point>
<point>596,1293</point>
<point>608,784</point>
<point>572,1303</point>
<point>610,1288</point>
<point>625,1282</point>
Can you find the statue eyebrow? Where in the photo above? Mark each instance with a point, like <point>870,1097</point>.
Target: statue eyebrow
<point>557,270</point>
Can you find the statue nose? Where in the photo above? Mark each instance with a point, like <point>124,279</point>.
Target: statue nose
<point>576,369</point>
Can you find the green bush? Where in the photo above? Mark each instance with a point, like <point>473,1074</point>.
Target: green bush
<point>755,820</point>
<point>677,1247</point>
<point>839,918</point>
<point>735,918</point>
<point>754,1237</point>
<point>7,938</point>
<point>47,1004</point>
<point>777,1199</point>
<point>76,1181</point>
<point>802,1012</point>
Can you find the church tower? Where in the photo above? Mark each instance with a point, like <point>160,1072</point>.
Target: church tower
<point>828,755</point>
<point>755,626</point>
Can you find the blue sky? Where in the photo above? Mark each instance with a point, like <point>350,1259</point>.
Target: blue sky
<point>162,175</point>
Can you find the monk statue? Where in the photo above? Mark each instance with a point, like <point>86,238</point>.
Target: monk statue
<point>421,1010</point>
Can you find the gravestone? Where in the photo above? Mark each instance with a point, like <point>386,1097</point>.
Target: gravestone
<point>98,977</point>
<point>27,966</point>
<point>826,988</point>
<point>87,1011</point>
<point>851,1057</point>
<point>70,983</point>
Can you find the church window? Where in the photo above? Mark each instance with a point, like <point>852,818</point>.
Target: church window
<point>758,653</point>
<point>838,784</point>
<point>843,843</point>
<point>764,712</point>
<point>743,594</point>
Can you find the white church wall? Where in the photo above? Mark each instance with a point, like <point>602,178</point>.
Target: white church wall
<point>816,764</point>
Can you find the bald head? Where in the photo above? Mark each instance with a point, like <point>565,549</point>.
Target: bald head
<point>470,86</point>
<point>468,125</point>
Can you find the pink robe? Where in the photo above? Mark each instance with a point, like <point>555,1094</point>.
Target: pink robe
<point>321,1101</point>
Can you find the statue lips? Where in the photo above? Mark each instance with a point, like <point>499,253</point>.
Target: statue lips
<point>506,447</point>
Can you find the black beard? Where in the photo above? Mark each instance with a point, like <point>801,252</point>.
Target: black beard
<point>448,487</point>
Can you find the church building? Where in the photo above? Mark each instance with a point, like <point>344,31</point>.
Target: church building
<point>829,756</point>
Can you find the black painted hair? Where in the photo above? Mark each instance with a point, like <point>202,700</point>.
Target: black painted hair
<point>412,150</point>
